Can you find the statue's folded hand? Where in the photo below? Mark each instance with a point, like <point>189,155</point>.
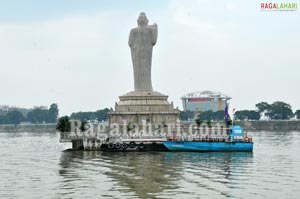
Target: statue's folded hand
<point>153,26</point>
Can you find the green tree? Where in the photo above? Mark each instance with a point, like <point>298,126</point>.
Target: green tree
<point>83,116</point>
<point>38,115</point>
<point>102,115</point>
<point>210,115</point>
<point>14,117</point>
<point>3,119</point>
<point>280,110</point>
<point>52,113</point>
<point>263,107</point>
<point>63,124</point>
<point>275,111</point>
<point>206,115</point>
<point>98,115</point>
<point>219,115</point>
<point>253,115</point>
<point>183,116</point>
<point>186,115</point>
<point>297,114</point>
<point>190,114</point>
<point>247,115</point>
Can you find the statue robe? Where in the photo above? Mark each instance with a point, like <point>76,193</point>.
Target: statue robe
<point>141,42</point>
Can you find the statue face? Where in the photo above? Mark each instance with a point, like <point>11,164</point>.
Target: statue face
<point>142,20</point>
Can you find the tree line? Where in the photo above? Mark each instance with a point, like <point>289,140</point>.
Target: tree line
<point>35,116</point>
<point>99,115</point>
<point>63,124</point>
<point>40,115</point>
<point>275,111</point>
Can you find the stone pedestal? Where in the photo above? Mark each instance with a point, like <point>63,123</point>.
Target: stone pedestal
<point>143,104</point>
<point>138,106</point>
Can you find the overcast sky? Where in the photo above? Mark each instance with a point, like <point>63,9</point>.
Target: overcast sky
<point>75,52</point>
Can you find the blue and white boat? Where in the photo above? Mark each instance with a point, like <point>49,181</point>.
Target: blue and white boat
<point>235,141</point>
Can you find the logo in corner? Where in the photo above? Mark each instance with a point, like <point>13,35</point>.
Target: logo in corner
<point>267,6</point>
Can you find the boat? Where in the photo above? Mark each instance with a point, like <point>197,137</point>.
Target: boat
<point>236,140</point>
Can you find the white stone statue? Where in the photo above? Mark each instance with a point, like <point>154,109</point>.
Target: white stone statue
<point>141,41</point>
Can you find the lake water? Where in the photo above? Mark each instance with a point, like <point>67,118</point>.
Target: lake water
<point>32,165</point>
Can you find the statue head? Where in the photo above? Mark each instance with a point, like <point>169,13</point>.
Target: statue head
<point>142,20</point>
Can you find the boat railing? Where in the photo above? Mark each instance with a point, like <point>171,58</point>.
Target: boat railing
<point>210,139</point>
<point>199,138</point>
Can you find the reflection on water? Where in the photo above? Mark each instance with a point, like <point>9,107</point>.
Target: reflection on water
<point>135,174</point>
<point>34,166</point>
<point>155,174</point>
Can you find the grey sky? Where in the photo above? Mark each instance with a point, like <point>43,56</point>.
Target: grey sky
<point>78,56</point>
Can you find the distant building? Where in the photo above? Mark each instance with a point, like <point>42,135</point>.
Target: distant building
<point>204,101</point>
<point>41,107</point>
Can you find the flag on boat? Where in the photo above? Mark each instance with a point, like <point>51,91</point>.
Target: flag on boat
<point>226,114</point>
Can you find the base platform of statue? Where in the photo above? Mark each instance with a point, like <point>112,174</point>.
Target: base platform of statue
<point>138,106</point>
<point>143,104</point>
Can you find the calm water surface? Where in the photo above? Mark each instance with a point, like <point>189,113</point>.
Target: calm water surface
<point>32,165</point>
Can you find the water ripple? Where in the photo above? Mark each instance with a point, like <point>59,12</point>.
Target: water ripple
<point>34,166</point>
